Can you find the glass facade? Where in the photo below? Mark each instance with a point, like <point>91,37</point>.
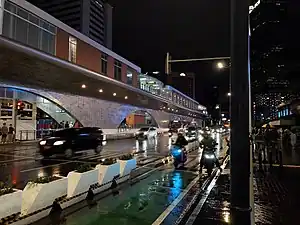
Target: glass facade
<point>72,49</point>
<point>156,87</point>
<point>129,77</point>
<point>28,29</point>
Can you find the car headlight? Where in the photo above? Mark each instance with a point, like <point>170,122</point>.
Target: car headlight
<point>58,143</point>
<point>104,137</point>
<point>42,142</point>
<point>208,156</point>
<point>145,133</point>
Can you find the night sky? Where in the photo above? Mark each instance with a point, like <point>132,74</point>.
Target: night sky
<point>144,30</point>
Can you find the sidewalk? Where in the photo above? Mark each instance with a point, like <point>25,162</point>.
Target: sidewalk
<point>276,198</point>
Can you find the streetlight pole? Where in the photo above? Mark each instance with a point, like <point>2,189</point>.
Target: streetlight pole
<point>240,146</point>
<point>169,61</point>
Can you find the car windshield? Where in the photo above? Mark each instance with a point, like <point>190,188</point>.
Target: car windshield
<point>144,129</point>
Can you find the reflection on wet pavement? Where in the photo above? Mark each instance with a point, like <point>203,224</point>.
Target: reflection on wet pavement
<point>138,204</point>
<point>22,162</point>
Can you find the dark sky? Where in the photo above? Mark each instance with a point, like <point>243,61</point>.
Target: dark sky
<point>144,30</point>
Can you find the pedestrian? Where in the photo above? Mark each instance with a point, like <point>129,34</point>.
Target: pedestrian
<point>11,132</point>
<point>67,124</point>
<point>4,131</point>
<point>293,139</point>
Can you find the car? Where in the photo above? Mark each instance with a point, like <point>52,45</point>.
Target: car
<point>146,132</point>
<point>191,133</point>
<point>71,140</point>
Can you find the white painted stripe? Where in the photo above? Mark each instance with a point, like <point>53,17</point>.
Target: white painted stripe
<point>43,167</point>
<point>162,216</point>
<point>14,160</point>
<point>199,206</point>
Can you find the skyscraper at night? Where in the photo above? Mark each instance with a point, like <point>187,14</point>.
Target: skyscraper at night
<point>184,82</point>
<point>93,18</point>
<point>270,63</point>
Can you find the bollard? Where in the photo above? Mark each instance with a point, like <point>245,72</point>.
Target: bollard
<point>260,161</point>
<point>270,159</point>
<point>280,159</point>
<point>264,152</point>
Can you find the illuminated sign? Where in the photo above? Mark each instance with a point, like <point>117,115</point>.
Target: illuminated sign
<point>252,7</point>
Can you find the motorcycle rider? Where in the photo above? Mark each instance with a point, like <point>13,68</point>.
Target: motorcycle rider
<point>182,142</point>
<point>208,144</point>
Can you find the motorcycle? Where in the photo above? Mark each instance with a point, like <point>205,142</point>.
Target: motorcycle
<point>209,160</point>
<point>179,156</point>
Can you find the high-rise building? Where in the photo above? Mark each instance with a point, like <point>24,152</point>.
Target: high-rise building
<point>93,18</point>
<point>184,82</point>
<point>270,57</point>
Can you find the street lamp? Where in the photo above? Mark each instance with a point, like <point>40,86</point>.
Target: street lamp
<point>220,65</point>
<point>229,94</point>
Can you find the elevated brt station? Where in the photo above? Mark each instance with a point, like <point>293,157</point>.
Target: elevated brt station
<point>53,77</point>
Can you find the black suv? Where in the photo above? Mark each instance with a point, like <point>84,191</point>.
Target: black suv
<point>68,141</point>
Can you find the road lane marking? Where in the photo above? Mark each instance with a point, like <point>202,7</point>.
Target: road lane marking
<point>14,160</point>
<point>170,208</point>
<point>200,204</point>
<point>43,167</point>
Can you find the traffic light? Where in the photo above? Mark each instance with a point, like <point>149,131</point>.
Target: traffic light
<point>20,105</point>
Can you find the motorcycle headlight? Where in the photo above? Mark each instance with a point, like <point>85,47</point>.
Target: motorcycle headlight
<point>58,143</point>
<point>170,133</point>
<point>208,156</point>
<point>42,142</point>
<point>179,150</point>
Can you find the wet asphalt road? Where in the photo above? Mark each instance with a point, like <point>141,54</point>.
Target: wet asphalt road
<point>22,162</point>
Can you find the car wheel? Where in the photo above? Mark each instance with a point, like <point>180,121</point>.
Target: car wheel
<point>68,153</point>
<point>98,149</point>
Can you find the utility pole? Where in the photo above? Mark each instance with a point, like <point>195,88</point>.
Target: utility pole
<point>240,145</point>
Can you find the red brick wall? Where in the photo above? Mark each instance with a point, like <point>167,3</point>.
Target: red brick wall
<point>88,57</point>
<point>134,78</point>
<point>62,44</point>
<point>110,66</point>
<point>124,73</point>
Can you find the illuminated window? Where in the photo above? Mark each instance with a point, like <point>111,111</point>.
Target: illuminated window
<point>129,77</point>
<point>72,49</point>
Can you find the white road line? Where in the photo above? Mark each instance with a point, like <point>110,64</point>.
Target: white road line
<point>43,167</point>
<point>162,216</point>
<point>18,156</point>
<point>199,206</point>
<point>14,160</point>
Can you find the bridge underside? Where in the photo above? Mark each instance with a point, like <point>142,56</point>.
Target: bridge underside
<point>87,111</point>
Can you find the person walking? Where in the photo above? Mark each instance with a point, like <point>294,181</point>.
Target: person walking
<point>4,131</point>
<point>11,132</point>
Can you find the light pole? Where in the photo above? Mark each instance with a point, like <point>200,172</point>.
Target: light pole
<point>240,145</point>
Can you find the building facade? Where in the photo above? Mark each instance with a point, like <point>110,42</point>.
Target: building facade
<point>92,18</point>
<point>270,63</point>
<point>54,71</point>
<point>184,82</point>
